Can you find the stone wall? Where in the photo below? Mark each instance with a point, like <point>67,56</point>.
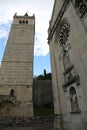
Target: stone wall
<point>42,92</point>
<point>16,75</point>
<point>34,123</point>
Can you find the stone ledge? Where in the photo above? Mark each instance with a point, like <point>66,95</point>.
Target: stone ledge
<point>75,112</point>
<point>25,122</point>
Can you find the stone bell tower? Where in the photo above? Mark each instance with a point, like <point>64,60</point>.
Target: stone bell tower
<point>16,72</point>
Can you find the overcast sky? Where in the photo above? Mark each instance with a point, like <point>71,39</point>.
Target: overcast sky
<point>42,10</point>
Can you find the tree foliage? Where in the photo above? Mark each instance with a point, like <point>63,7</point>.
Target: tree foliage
<point>47,76</point>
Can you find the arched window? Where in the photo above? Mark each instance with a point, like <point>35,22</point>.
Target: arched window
<point>26,22</point>
<point>73,99</point>
<point>23,22</point>
<point>12,92</point>
<point>20,21</point>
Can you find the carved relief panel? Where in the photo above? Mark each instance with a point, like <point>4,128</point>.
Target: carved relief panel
<point>70,74</point>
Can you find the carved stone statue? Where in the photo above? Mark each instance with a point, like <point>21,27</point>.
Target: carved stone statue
<point>66,59</point>
<point>73,98</point>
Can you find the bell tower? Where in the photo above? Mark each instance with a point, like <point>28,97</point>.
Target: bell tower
<point>16,74</point>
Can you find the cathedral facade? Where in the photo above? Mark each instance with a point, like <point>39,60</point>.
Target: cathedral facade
<point>67,39</point>
<point>16,72</point>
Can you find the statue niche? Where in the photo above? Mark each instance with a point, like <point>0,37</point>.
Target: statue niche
<point>73,99</point>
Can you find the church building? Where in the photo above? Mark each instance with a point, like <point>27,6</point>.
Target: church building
<point>67,39</point>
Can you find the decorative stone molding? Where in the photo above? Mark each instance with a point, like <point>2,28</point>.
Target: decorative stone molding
<point>81,6</point>
<point>58,19</point>
<point>64,34</point>
<point>74,79</point>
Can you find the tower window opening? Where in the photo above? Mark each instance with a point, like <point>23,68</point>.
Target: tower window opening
<point>26,22</point>
<point>12,92</point>
<point>23,22</point>
<point>20,21</point>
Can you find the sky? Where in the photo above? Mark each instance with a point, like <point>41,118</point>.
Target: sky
<point>43,11</point>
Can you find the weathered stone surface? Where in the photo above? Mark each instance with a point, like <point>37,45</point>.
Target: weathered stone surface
<point>42,92</point>
<point>35,123</point>
<point>16,75</point>
<point>76,46</point>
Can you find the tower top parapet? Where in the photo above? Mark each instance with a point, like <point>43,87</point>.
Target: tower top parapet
<point>25,15</point>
